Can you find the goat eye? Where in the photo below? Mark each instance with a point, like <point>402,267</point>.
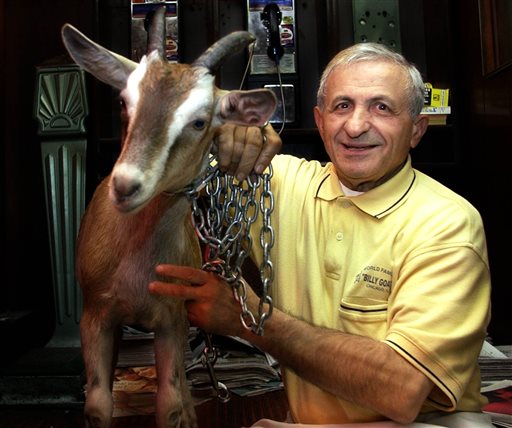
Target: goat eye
<point>199,124</point>
<point>122,104</point>
<point>123,111</point>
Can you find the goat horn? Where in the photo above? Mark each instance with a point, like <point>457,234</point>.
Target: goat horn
<point>215,55</point>
<point>156,32</point>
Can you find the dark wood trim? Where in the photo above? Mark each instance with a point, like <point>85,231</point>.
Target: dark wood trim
<point>492,25</point>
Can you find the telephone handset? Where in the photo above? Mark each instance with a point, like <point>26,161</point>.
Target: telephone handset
<point>273,57</point>
<point>271,19</point>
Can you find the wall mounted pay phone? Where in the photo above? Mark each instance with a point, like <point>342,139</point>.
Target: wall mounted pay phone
<point>273,60</point>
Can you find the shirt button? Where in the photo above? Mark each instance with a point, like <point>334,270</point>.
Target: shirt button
<point>339,236</point>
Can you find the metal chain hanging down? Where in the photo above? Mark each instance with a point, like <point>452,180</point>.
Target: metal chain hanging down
<point>223,226</point>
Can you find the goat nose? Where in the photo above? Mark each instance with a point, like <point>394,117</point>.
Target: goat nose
<point>124,186</point>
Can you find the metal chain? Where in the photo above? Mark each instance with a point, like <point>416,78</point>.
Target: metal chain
<point>267,238</point>
<point>209,357</point>
<point>223,226</point>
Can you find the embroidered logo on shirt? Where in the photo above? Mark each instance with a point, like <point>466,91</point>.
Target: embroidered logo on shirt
<point>375,277</point>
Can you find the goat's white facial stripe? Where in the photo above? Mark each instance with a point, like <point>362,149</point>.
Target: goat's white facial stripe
<point>199,98</point>
<point>131,93</point>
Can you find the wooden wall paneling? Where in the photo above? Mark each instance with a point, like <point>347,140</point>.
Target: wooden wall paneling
<point>229,16</point>
<point>113,32</point>
<point>415,30</point>
<point>491,148</point>
<point>197,27</point>
<point>6,302</point>
<point>486,129</point>
<point>496,34</point>
<point>438,152</point>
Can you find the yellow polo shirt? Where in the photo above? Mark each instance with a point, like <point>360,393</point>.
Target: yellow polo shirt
<point>404,263</point>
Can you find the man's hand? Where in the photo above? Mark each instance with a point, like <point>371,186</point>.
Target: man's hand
<point>243,150</point>
<point>209,300</point>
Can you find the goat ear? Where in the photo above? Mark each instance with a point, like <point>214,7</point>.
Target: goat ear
<point>106,66</point>
<point>249,108</point>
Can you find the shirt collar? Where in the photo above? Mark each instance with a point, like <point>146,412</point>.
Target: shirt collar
<point>376,202</point>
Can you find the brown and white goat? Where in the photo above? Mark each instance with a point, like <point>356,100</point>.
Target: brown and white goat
<point>137,217</point>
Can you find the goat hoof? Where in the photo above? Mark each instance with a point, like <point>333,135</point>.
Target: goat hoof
<point>96,422</point>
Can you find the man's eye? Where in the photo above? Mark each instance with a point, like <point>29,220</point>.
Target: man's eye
<point>342,106</point>
<point>382,107</point>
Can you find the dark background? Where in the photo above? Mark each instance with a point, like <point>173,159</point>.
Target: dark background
<point>469,155</point>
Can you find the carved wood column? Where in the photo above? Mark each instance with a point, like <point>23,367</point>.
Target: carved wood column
<point>60,109</point>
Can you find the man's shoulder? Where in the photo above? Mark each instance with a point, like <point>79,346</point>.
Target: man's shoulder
<point>290,165</point>
<point>435,188</point>
<point>442,199</point>
<point>297,178</point>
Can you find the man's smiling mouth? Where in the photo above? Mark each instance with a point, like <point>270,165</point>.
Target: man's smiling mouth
<point>358,147</point>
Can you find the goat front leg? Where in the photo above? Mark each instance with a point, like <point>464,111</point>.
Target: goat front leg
<point>174,405</point>
<point>99,351</point>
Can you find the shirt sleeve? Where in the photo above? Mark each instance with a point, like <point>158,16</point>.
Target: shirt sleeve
<point>438,316</point>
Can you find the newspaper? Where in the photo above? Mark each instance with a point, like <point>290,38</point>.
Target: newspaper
<point>496,371</point>
<point>499,407</point>
<point>495,363</point>
<point>243,368</point>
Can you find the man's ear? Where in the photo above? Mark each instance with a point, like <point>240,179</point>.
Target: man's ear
<point>418,130</point>
<point>319,120</point>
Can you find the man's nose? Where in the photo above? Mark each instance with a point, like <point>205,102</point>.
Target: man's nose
<point>358,122</point>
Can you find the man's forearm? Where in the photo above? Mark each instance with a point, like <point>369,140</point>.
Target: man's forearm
<point>355,368</point>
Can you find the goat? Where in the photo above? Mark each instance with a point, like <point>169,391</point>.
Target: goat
<point>138,218</point>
